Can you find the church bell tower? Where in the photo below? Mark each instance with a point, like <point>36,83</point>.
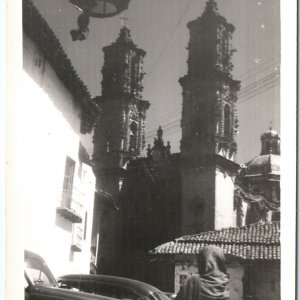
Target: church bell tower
<point>209,125</point>
<point>120,130</point>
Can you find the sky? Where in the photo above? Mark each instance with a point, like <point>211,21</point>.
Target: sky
<point>159,28</point>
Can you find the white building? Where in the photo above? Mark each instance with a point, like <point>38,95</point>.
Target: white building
<point>55,173</point>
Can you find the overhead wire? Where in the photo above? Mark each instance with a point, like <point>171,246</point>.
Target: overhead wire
<point>254,91</point>
<point>171,113</point>
<point>246,91</point>
<point>258,83</point>
<point>260,67</point>
<point>168,41</point>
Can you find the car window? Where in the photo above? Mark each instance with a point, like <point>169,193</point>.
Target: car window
<point>81,285</point>
<point>38,272</point>
<point>108,289</point>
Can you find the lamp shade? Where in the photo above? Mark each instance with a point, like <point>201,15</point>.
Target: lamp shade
<point>101,8</point>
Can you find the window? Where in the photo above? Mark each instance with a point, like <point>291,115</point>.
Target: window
<point>77,235</point>
<point>227,120</point>
<point>217,127</point>
<point>68,182</point>
<point>107,146</point>
<point>182,279</point>
<point>38,272</point>
<point>120,184</point>
<point>133,136</point>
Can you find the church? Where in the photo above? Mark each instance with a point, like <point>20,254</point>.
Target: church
<point>143,201</point>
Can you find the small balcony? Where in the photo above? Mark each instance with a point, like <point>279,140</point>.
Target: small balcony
<point>76,244</point>
<point>71,207</point>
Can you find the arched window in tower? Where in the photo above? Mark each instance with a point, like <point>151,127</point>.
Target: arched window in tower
<point>217,127</point>
<point>133,136</point>
<point>227,120</point>
<point>268,147</point>
<point>107,146</point>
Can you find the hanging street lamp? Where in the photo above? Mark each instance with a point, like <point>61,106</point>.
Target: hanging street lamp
<point>95,9</point>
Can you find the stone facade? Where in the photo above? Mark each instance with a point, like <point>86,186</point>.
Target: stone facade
<point>209,124</point>
<point>262,281</point>
<point>155,199</point>
<point>167,195</point>
<point>119,137</point>
<point>120,130</point>
<point>150,208</point>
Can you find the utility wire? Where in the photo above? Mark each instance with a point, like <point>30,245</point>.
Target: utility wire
<point>175,129</point>
<point>168,41</point>
<point>268,85</point>
<point>246,92</point>
<point>258,83</point>
<point>171,113</point>
<point>256,94</point>
<point>263,66</point>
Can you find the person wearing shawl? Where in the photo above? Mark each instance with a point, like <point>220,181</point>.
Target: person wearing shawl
<point>212,281</point>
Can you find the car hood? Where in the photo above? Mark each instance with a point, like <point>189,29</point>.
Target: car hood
<point>60,293</point>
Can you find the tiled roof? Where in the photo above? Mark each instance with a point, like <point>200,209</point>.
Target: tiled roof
<point>260,241</point>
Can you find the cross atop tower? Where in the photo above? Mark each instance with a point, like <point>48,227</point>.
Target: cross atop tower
<point>211,6</point>
<point>123,20</point>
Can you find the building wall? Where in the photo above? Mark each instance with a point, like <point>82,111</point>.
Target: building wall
<point>225,215</point>
<point>186,268</point>
<point>263,281</point>
<point>236,275</point>
<point>49,131</point>
<point>198,199</point>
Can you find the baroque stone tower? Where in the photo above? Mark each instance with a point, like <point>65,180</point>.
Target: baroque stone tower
<point>119,137</point>
<point>120,132</point>
<point>209,125</point>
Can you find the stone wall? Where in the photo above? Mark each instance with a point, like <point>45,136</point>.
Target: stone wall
<point>198,199</point>
<point>225,215</point>
<point>262,281</point>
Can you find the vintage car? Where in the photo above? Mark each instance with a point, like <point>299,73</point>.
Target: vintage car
<point>112,286</point>
<point>40,283</point>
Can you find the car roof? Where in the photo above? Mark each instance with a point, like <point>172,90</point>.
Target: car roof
<point>33,255</point>
<point>121,281</point>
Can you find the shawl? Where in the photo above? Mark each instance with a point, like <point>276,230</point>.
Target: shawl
<point>212,281</point>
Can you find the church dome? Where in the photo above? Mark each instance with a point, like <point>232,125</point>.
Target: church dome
<point>264,164</point>
<point>268,162</point>
<point>270,133</point>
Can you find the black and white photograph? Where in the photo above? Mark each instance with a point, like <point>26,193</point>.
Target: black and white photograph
<point>144,150</point>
